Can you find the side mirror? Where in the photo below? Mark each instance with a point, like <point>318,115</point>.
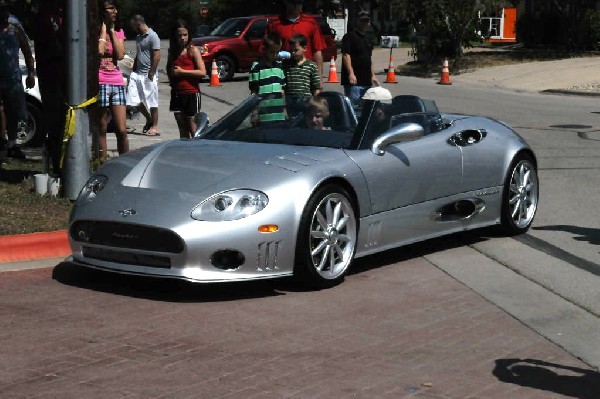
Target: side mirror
<point>201,121</point>
<point>398,134</point>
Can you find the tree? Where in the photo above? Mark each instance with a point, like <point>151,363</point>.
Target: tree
<point>447,25</point>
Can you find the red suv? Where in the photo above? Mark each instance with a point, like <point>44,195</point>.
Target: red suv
<point>236,43</point>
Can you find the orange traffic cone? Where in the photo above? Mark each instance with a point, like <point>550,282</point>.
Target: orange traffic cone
<point>214,75</point>
<point>391,72</point>
<point>445,79</point>
<point>332,72</point>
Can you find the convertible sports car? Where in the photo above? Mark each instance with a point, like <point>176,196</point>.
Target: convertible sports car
<point>253,198</point>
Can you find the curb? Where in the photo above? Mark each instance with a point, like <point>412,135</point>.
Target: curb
<point>572,92</point>
<point>21,247</point>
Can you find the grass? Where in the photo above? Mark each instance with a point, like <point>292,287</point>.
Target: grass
<point>22,209</point>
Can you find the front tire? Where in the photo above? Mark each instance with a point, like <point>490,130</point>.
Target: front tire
<point>326,238</point>
<point>225,66</point>
<point>520,196</point>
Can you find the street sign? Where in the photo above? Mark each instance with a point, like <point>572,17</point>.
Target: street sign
<point>204,11</point>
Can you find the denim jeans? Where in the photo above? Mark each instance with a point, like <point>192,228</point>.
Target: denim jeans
<point>355,93</point>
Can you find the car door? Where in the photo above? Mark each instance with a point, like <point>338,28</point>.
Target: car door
<point>482,151</point>
<point>251,42</point>
<point>411,172</point>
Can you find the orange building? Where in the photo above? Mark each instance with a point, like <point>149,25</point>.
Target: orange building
<point>501,28</point>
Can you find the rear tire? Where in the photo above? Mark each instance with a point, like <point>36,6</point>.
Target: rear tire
<point>31,132</point>
<point>327,238</point>
<point>520,196</point>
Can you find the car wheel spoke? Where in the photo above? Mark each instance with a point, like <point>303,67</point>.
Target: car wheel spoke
<point>342,223</point>
<point>322,221</point>
<point>339,252</point>
<point>319,248</point>
<point>324,258</point>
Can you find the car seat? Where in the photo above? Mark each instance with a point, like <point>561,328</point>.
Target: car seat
<point>341,116</point>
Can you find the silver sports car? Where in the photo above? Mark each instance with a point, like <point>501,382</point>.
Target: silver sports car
<point>259,196</point>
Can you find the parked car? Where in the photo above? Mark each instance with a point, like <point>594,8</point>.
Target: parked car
<point>237,42</point>
<point>31,132</point>
<point>248,200</point>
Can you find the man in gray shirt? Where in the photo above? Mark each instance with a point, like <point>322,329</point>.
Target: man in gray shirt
<point>142,91</point>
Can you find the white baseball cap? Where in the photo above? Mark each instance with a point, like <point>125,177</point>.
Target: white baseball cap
<point>378,93</point>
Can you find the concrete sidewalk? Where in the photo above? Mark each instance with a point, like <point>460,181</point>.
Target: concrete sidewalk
<point>574,75</point>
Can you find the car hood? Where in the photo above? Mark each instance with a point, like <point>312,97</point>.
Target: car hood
<point>198,41</point>
<point>207,167</point>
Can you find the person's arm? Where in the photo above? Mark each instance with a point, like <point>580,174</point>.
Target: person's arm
<point>102,40</point>
<point>199,70</point>
<point>347,61</point>
<point>318,45</point>
<point>155,57</point>
<point>117,42</point>
<point>316,84</point>
<point>154,64</point>
<point>374,80</point>
<point>29,61</point>
<point>318,56</point>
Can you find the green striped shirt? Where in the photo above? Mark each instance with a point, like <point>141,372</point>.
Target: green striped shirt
<point>302,79</point>
<point>267,79</point>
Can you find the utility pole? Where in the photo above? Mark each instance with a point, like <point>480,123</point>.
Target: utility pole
<point>77,156</point>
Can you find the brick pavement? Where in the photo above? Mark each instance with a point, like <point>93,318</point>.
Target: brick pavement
<point>396,328</point>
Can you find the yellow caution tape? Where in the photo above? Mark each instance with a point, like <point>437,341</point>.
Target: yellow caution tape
<point>70,125</point>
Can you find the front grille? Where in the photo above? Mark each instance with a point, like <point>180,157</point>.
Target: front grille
<point>128,258</point>
<point>126,235</point>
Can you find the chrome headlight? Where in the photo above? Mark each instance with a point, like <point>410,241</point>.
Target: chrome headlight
<point>230,205</point>
<point>91,189</point>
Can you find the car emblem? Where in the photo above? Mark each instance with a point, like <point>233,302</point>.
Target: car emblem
<point>127,212</point>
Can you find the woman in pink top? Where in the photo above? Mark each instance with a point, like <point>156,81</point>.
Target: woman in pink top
<point>112,87</point>
<point>185,68</point>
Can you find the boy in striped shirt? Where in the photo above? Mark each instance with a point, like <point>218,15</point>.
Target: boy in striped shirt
<point>302,75</point>
<point>267,79</point>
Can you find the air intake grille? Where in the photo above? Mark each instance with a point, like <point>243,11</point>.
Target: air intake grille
<point>128,258</point>
<point>125,235</point>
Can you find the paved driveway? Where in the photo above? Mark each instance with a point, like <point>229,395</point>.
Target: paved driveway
<point>398,327</point>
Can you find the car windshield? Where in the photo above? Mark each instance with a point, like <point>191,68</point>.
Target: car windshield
<point>253,121</point>
<point>232,27</point>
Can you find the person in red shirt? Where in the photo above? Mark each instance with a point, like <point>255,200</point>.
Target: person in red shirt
<point>185,68</point>
<point>293,21</point>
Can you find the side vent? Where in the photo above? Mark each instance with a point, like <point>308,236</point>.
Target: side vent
<point>459,210</point>
<point>266,258</point>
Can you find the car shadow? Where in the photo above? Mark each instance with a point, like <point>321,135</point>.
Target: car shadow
<point>172,290</point>
<point>569,381</point>
<point>590,235</point>
<point>423,248</point>
<point>159,289</point>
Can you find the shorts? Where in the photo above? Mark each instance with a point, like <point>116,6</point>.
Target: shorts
<point>111,95</point>
<point>142,90</point>
<point>186,103</point>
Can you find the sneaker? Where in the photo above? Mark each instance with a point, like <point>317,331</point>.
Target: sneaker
<point>15,152</point>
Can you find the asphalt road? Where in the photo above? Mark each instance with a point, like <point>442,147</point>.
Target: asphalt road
<point>561,252</point>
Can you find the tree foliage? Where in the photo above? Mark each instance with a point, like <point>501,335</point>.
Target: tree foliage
<point>161,14</point>
<point>445,27</point>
